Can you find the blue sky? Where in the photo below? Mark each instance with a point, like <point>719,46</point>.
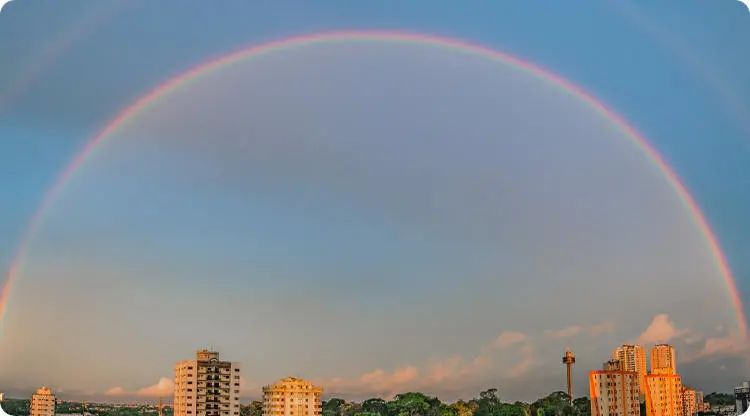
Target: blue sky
<point>676,70</point>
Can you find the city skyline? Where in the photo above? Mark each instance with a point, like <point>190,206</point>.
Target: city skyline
<point>377,200</point>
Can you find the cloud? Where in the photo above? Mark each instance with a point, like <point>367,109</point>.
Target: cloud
<point>575,330</point>
<point>746,3</point>
<point>601,328</point>
<point>731,345</point>
<point>511,347</point>
<point>661,329</point>
<point>508,338</point>
<point>164,387</point>
<point>523,366</point>
<point>116,391</point>
<point>377,381</point>
<point>567,332</point>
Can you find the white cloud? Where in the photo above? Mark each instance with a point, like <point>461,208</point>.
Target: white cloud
<point>523,366</point>
<point>508,338</point>
<point>661,329</point>
<point>116,391</point>
<point>575,330</point>
<point>731,345</point>
<point>163,388</point>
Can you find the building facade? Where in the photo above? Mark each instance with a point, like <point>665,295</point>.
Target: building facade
<point>292,396</point>
<point>206,386</point>
<point>613,391</point>
<point>689,401</point>
<point>632,358</point>
<point>742,397</point>
<point>663,394</point>
<point>663,359</point>
<point>42,402</point>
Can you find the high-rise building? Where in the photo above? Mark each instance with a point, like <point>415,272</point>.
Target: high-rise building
<point>689,401</point>
<point>292,396</point>
<point>700,406</point>
<point>206,386</point>
<point>663,359</point>
<point>742,397</point>
<point>663,394</point>
<point>42,402</point>
<point>632,358</point>
<point>2,396</point>
<point>613,391</point>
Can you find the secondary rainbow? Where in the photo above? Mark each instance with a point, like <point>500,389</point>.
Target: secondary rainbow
<point>175,83</point>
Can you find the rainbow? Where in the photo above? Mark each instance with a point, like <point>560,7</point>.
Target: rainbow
<point>194,74</point>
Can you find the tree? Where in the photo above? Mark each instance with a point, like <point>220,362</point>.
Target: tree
<point>555,404</point>
<point>414,404</point>
<point>375,406</point>
<point>255,408</point>
<point>462,408</point>
<point>333,407</point>
<point>582,406</point>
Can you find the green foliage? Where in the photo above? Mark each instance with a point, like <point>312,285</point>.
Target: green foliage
<point>414,404</point>
<point>555,404</point>
<point>16,407</point>
<point>375,406</point>
<point>719,399</point>
<point>255,408</point>
<point>582,407</point>
<point>488,403</point>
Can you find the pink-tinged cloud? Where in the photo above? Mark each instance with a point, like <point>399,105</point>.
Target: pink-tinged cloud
<point>575,330</point>
<point>566,332</point>
<point>731,345</point>
<point>661,329</point>
<point>163,388</point>
<point>601,328</point>
<point>116,391</point>
<point>524,364</point>
<point>375,382</point>
<point>508,338</point>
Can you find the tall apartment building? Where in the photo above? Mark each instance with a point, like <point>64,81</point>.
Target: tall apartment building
<point>700,405</point>
<point>663,359</point>
<point>663,394</point>
<point>689,401</point>
<point>742,397</point>
<point>614,391</point>
<point>292,396</point>
<point>206,386</point>
<point>632,358</point>
<point>42,402</point>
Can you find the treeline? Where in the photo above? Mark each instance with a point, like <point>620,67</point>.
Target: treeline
<point>20,407</point>
<point>719,399</point>
<point>418,404</point>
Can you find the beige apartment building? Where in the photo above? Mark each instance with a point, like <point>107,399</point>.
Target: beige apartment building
<point>292,396</point>
<point>632,358</point>
<point>42,402</point>
<point>206,386</point>
<point>689,401</point>
<point>663,359</point>
<point>663,395</point>
<point>614,391</point>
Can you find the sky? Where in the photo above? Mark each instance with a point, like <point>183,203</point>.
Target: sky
<point>375,216</point>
